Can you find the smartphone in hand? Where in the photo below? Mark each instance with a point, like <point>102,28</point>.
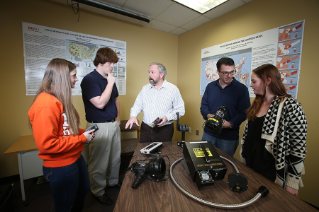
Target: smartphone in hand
<point>95,127</point>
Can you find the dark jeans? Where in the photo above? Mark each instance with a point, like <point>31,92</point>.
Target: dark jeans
<point>159,134</point>
<point>228,146</point>
<point>69,185</point>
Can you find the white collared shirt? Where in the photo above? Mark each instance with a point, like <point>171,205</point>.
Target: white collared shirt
<point>165,101</point>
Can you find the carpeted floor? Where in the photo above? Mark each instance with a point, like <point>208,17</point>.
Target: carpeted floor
<point>38,194</point>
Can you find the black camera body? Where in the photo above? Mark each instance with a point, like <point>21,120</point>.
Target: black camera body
<point>156,122</point>
<point>155,169</point>
<point>215,123</point>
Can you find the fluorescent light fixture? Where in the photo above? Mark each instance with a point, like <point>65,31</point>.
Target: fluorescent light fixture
<point>201,6</point>
<point>110,8</point>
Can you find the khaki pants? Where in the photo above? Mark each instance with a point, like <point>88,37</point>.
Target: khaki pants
<point>104,157</point>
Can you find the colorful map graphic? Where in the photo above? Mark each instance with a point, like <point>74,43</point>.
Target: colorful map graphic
<point>212,74</point>
<point>291,89</point>
<point>79,51</point>
<point>242,65</point>
<point>211,70</point>
<point>289,76</point>
<point>286,62</point>
<point>289,47</point>
<point>291,32</point>
<point>241,74</point>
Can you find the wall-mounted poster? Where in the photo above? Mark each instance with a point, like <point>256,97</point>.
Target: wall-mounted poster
<point>281,47</point>
<point>41,44</point>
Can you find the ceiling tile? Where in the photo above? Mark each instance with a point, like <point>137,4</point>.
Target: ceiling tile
<point>164,15</point>
<point>178,31</point>
<point>149,8</point>
<point>196,22</point>
<point>224,8</point>
<point>177,15</point>
<point>161,26</point>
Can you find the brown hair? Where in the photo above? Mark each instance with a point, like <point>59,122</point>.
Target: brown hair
<point>56,81</point>
<point>104,55</point>
<point>263,72</point>
<point>224,61</point>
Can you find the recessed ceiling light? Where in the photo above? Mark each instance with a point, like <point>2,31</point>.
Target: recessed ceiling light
<point>201,6</point>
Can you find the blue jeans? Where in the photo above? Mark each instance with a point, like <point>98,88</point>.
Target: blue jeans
<point>228,146</point>
<point>69,185</point>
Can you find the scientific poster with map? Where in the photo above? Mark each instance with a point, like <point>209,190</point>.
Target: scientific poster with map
<point>281,47</point>
<point>41,44</point>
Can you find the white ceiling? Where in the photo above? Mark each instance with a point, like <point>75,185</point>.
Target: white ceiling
<point>164,15</point>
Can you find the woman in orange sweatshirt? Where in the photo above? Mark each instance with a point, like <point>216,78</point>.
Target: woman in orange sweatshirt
<point>55,126</point>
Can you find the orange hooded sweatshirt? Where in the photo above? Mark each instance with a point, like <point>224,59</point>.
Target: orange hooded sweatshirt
<point>51,132</point>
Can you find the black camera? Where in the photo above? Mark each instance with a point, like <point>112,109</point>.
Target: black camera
<point>215,123</point>
<point>156,122</point>
<point>155,169</point>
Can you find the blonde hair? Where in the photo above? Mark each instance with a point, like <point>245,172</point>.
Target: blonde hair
<point>56,81</point>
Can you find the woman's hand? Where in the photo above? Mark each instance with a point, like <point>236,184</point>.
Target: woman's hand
<point>89,135</point>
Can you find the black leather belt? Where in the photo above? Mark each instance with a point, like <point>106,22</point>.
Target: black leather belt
<point>102,121</point>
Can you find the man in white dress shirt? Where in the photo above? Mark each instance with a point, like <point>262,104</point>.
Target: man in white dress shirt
<point>157,99</point>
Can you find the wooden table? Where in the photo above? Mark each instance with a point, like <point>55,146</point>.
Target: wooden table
<point>164,196</point>
<point>30,165</point>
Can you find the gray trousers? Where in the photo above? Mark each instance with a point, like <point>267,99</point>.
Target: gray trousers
<point>104,157</point>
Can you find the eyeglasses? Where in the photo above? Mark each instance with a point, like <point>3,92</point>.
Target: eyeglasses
<point>225,73</point>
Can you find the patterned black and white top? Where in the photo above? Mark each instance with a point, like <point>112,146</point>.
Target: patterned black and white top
<point>285,131</point>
